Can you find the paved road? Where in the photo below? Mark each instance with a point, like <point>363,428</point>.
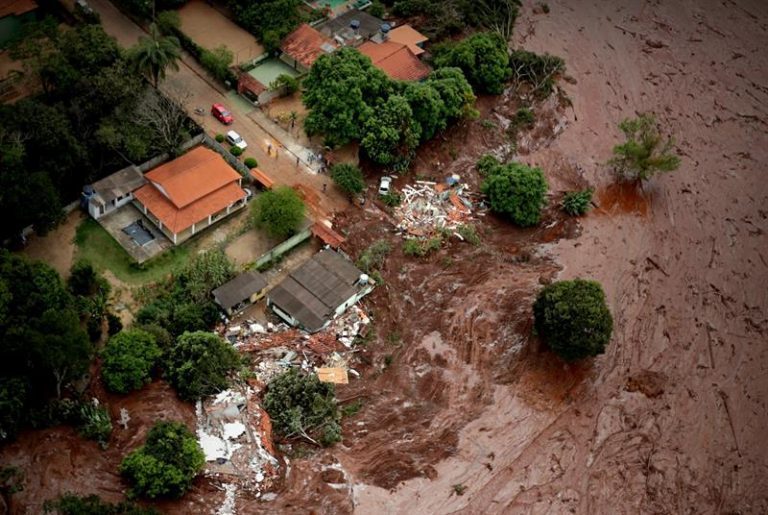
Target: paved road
<point>277,161</point>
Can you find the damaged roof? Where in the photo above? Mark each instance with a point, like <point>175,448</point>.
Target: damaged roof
<point>232,293</point>
<point>313,292</point>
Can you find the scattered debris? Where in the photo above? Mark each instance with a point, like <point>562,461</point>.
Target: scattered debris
<point>428,207</point>
<point>124,418</point>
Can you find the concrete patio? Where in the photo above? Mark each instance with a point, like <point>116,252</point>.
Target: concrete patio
<point>125,216</point>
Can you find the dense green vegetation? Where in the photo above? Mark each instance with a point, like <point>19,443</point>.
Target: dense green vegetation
<point>300,406</point>
<point>279,211</point>
<point>573,318</point>
<point>576,203</point>
<point>536,72</point>
<point>482,57</point>
<point>351,100</point>
<point>154,54</point>
<point>183,302</point>
<point>348,177</point>
<point>166,464</point>
<point>83,126</point>
<point>73,504</point>
<point>128,360</point>
<point>269,20</point>
<point>199,363</point>
<point>515,190</point>
<point>441,18</point>
<point>645,152</point>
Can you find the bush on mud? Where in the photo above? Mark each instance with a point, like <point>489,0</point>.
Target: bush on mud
<point>645,152</point>
<point>573,318</point>
<point>279,212</point>
<point>300,406</point>
<point>128,360</point>
<point>73,504</point>
<point>199,364</point>
<point>536,71</point>
<point>576,203</point>
<point>487,164</point>
<point>482,57</point>
<point>349,178</point>
<point>517,191</point>
<point>421,248</point>
<point>373,257</point>
<point>166,464</point>
<point>250,162</point>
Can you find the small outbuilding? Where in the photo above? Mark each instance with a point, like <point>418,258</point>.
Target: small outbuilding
<point>319,290</point>
<point>240,292</point>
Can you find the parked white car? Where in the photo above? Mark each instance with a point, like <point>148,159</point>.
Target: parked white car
<point>236,140</point>
<point>384,185</point>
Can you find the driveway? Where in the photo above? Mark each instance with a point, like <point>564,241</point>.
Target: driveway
<point>278,162</point>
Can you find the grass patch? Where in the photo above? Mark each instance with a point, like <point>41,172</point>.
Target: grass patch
<point>95,245</point>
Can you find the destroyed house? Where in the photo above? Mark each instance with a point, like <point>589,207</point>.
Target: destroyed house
<point>319,290</point>
<point>241,291</point>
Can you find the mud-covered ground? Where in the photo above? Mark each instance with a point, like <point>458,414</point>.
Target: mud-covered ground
<point>456,390</point>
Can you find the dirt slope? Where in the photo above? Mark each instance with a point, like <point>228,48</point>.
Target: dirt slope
<point>670,419</point>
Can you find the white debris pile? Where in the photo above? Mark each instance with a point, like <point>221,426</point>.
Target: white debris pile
<point>228,506</point>
<point>248,331</point>
<point>354,322</point>
<point>234,433</point>
<point>429,206</point>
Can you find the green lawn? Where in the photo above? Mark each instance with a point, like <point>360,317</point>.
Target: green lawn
<point>95,245</point>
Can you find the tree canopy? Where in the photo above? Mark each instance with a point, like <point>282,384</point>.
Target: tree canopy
<point>199,363</point>
<point>301,406</point>
<point>441,18</point>
<point>573,318</point>
<point>279,211</point>
<point>517,191</point>
<point>348,177</point>
<point>154,54</point>
<point>341,91</point>
<point>483,57</point>
<point>391,135</point>
<point>128,360</point>
<point>645,152</point>
<point>269,20</point>
<point>166,464</point>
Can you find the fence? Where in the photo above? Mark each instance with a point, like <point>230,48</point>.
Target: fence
<point>282,248</point>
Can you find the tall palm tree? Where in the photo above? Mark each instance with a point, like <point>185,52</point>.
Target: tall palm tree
<point>156,53</point>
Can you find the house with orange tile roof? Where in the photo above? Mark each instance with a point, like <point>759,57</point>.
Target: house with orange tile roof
<point>303,46</point>
<point>410,37</point>
<point>395,59</point>
<point>188,194</point>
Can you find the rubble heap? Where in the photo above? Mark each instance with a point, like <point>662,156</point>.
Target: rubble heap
<point>429,206</point>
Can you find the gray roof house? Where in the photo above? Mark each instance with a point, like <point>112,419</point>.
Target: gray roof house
<point>351,28</point>
<point>236,294</point>
<point>113,191</point>
<point>319,290</point>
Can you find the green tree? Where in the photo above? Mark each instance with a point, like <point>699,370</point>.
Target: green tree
<point>168,22</point>
<point>573,318</point>
<point>455,91</point>
<point>487,165</point>
<point>13,403</point>
<point>537,71</point>
<point>128,360</point>
<point>645,152</point>
<point>428,108</point>
<point>391,135</point>
<point>290,84</point>
<point>348,177</point>
<point>279,211</point>
<point>301,406</point>
<point>517,191</point>
<point>483,58</point>
<point>218,61</point>
<point>154,54</point>
<point>166,464</point>
<point>269,20</point>
<point>199,363</point>
<point>340,92</point>
<point>73,504</point>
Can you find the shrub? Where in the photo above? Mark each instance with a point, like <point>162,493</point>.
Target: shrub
<point>250,162</point>
<point>391,199</point>
<point>95,423</point>
<point>220,138</point>
<point>377,9</point>
<point>573,318</point>
<point>166,464</point>
<point>114,324</point>
<point>469,233</point>
<point>279,211</point>
<point>301,406</point>
<point>421,248</point>
<point>288,84</point>
<point>129,358</point>
<point>537,71</point>
<point>348,178</point>
<point>644,153</point>
<point>373,257</point>
<point>487,164</point>
<point>199,364</point>
<point>518,192</point>
<point>576,203</point>
<point>168,22</point>
<point>72,504</point>
<point>524,118</point>
<point>236,151</point>
<point>217,62</point>
<point>83,280</point>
